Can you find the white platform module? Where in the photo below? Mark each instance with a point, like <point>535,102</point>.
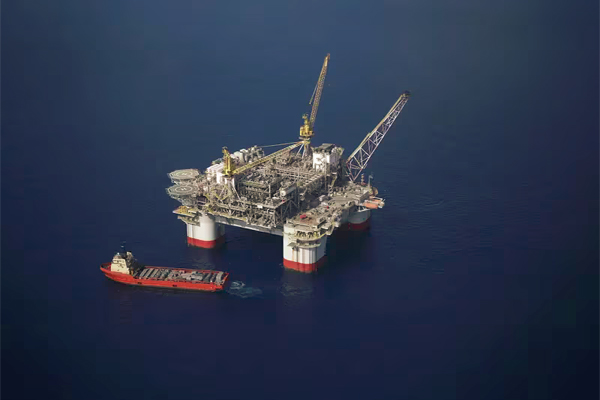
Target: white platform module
<point>323,155</point>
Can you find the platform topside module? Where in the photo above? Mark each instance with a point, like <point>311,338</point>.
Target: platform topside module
<point>300,192</point>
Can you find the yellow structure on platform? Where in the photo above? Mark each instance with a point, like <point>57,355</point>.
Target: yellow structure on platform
<point>227,167</point>
<point>306,130</point>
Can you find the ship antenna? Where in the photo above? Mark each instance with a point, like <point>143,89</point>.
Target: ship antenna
<point>123,248</point>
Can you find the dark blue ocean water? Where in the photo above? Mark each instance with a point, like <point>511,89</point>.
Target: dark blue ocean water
<point>478,280</point>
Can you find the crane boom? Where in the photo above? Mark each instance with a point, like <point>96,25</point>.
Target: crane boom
<point>318,91</point>
<point>263,159</point>
<point>357,161</point>
<point>306,130</point>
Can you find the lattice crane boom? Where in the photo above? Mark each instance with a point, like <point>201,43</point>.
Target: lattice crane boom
<point>317,92</point>
<point>357,161</point>
<point>306,130</point>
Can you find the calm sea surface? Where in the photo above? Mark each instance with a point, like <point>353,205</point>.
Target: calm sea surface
<point>477,280</point>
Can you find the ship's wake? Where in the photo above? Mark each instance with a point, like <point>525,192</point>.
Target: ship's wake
<point>240,289</point>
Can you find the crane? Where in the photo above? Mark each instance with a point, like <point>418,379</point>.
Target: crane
<point>306,130</point>
<point>229,170</point>
<point>357,161</point>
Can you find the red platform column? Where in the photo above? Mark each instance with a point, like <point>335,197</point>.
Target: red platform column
<point>206,233</point>
<point>359,220</point>
<point>302,255</point>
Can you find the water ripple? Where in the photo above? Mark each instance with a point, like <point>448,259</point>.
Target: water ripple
<point>240,289</point>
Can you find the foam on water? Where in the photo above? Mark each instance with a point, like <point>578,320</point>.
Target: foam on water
<point>240,289</point>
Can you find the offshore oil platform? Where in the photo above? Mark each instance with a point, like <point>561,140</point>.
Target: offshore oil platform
<point>300,192</point>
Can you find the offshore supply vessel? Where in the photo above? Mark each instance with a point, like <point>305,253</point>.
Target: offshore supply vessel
<point>124,268</point>
<point>302,193</point>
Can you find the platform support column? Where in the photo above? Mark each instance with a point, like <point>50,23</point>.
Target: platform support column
<point>205,233</point>
<point>359,220</point>
<point>304,256</point>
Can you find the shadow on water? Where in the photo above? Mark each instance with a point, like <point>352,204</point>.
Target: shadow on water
<point>124,302</point>
<point>297,288</point>
<point>346,249</point>
<point>198,258</point>
<point>296,284</point>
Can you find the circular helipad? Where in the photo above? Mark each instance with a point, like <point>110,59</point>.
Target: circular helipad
<point>184,174</point>
<point>183,190</point>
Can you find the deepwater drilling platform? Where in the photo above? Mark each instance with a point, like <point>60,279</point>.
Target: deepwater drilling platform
<point>300,192</point>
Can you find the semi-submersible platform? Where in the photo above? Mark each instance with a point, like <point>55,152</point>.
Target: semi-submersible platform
<point>300,192</point>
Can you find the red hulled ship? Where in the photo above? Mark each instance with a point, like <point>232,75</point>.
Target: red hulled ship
<point>126,269</point>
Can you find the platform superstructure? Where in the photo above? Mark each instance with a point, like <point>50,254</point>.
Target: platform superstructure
<point>300,192</point>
